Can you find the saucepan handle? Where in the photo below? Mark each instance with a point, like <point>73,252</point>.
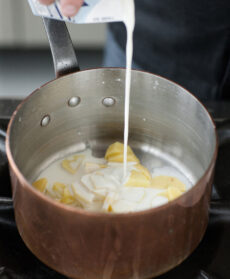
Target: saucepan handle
<point>64,57</point>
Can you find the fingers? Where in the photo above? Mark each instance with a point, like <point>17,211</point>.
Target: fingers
<point>70,7</point>
<point>46,2</point>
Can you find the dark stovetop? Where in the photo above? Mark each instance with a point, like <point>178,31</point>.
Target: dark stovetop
<point>211,260</point>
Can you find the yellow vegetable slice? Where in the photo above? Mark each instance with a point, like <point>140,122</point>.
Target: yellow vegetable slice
<point>164,194</point>
<point>76,157</point>
<point>163,182</point>
<point>82,194</point>
<point>120,158</point>
<point>40,184</point>
<point>144,171</point>
<point>173,193</point>
<point>138,179</point>
<point>59,188</point>
<point>109,200</point>
<point>66,165</point>
<point>73,164</point>
<point>115,151</point>
<point>90,166</point>
<point>67,198</point>
<point>110,209</point>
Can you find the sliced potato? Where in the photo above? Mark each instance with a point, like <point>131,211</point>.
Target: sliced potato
<point>40,184</point>
<point>72,165</point>
<point>82,194</point>
<point>115,152</point>
<point>109,200</point>
<point>91,166</point>
<point>59,188</point>
<point>163,182</point>
<point>144,171</point>
<point>138,179</point>
<point>173,193</point>
<point>114,149</point>
<point>67,198</point>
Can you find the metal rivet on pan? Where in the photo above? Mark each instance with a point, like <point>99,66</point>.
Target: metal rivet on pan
<point>45,120</point>
<point>74,101</point>
<point>108,102</point>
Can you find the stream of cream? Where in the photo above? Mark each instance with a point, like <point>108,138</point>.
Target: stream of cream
<point>129,21</point>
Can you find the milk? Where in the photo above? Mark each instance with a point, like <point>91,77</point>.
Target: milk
<point>96,11</point>
<point>129,20</point>
<point>96,184</point>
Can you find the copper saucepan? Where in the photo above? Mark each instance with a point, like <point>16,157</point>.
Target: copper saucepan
<point>168,126</point>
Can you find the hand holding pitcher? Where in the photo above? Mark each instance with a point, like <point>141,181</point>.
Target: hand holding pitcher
<point>68,7</point>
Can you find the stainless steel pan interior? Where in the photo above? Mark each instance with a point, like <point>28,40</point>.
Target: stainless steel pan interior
<point>167,125</point>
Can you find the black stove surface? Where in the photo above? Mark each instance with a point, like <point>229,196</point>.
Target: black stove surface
<point>211,260</point>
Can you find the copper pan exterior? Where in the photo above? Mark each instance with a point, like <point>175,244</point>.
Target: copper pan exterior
<point>81,245</point>
<point>87,245</point>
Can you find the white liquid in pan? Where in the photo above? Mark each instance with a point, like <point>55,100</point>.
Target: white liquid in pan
<point>129,20</point>
<point>96,184</point>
